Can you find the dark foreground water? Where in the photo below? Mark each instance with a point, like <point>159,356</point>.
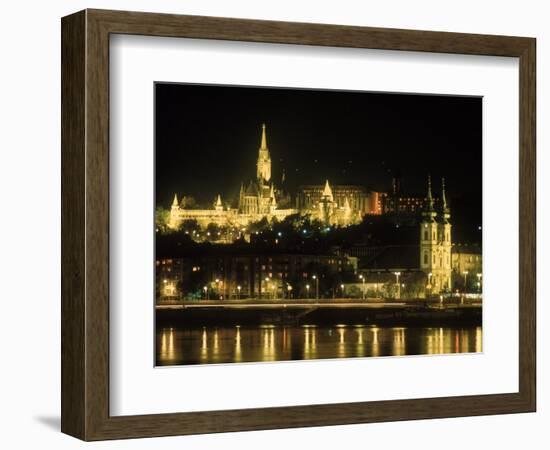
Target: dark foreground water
<point>229,344</point>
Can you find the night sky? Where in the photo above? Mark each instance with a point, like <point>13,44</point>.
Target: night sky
<point>207,140</point>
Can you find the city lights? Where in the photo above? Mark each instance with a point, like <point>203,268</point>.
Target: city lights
<point>379,257</point>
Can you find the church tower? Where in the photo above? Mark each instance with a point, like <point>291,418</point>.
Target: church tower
<point>264,160</point>
<point>326,204</point>
<point>435,243</point>
<point>428,239</point>
<point>445,239</point>
<point>174,220</point>
<point>218,205</point>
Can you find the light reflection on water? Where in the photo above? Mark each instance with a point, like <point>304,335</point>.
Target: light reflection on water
<point>209,345</point>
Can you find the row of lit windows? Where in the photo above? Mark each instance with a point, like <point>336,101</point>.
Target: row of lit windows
<point>426,258</point>
<point>470,258</point>
<point>284,264</point>
<point>164,261</point>
<point>426,236</point>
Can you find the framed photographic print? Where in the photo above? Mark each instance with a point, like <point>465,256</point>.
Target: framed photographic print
<point>270,224</point>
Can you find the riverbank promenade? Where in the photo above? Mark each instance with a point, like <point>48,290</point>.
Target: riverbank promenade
<point>369,303</point>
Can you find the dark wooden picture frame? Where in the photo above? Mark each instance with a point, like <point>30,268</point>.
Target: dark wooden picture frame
<point>85,224</point>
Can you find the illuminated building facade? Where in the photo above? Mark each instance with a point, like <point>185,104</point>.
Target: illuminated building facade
<point>310,196</point>
<point>260,197</point>
<point>396,202</point>
<point>169,276</point>
<point>375,203</point>
<point>435,242</point>
<point>427,253</point>
<point>467,266</point>
<point>231,274</point>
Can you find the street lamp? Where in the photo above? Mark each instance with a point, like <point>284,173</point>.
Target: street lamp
<point>397,275</point>
<point>205,288</point>
<point>362,278</point>
<point>465,273</point>
<point>239,292</point>
<point>316,286</point>
<point>342,287</point>
<point>307,290</point>
<point>289,289</point>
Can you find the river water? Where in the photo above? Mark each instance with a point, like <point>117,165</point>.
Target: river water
<point>232,344</point>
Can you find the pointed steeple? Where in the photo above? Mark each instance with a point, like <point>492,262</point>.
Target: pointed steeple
<point>327,191</point>
<point>430,205</point>
<point>443,197</point>
<point>175,203</point>
<point>445,211</point>
<point>263,165</point>
<point>347,206</point>
<point>429,212</point>
<point>263,145</point>
<point>218,205</point>
<point>272,199</point>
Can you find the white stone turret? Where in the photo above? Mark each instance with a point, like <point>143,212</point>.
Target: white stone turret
<point>218,206</point>
<point>326,205</point>
<point>327,192</point>
<point>175,203</point>
<point>174,219</point>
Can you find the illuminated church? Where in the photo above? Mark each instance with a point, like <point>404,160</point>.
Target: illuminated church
<point>261,198</point>
<point>435,242</point>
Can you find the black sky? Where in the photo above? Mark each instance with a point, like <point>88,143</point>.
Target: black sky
<point>207,140</point>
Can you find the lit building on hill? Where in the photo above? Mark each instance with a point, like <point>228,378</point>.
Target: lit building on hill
<point>262,198</point>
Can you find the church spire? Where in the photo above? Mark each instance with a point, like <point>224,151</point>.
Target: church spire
<point>175,203</point>
<point>263,145</point>
<point>272,199</point>
<point>327,192</point>
<point>445,211</point>
<point>218,205</point>
<point>429,212</point>
<point>443,197</point>
<point>263,166</point>
<point>430,199</point>
<point>347,206</point>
